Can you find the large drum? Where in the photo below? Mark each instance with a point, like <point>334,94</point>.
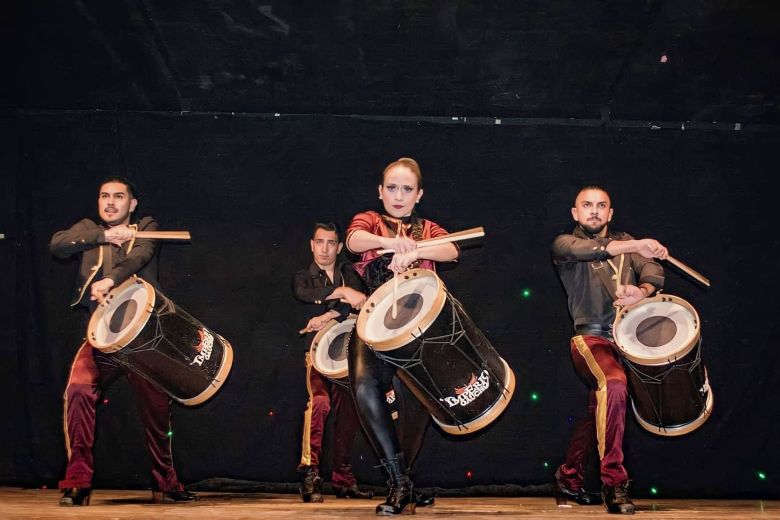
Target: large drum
<point>328,351</point>
<point>150,335</point>
<point>660,340</point>
<point>445,360</point>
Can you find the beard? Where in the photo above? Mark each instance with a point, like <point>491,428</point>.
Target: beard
<point>594,229</point>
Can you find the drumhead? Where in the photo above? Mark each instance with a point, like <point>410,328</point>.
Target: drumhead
<point>329,348</point>
<point>117,323</point>
<point>657,330</point>
<point>420,297</point>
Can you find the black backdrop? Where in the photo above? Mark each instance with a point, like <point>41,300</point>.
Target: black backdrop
<point>674,106</point>
<point>248,187</point>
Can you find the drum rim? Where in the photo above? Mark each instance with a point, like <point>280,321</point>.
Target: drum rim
<point>340,373</point>
<point>132,331</point>
<point>489,415</point>
<point>680,429</point>
<point>407,334</point>
<point>657,360</point>
<point>219,378</point>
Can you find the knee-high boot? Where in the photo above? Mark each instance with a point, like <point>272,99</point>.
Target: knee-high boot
<point>400,494</point>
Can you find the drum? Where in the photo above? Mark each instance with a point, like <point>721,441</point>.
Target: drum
<point>328,351</point>
<point>444,359</point>
<point>152,336</point>
<point>660,340</point>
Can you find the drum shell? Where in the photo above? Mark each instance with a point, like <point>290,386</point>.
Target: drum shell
<point>173,350</point>
<point>659,339</point>
<point>671,399</point>
<point>468,363</point>
<point>333,339</point>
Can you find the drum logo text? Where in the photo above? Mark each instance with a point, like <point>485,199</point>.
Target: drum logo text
<point>204,348</point>
<point>470,392</point>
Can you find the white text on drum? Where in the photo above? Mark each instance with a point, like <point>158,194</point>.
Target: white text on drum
<point>470,392</point>
<point>206,345</point>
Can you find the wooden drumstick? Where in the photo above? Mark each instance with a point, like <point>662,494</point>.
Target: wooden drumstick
<point>445,239</point>
<point>687,270</point>
<point>394,312</point>
<point>164,235</point>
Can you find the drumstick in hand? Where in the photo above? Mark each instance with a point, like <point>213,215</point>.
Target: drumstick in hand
<point>394,312</point>
<point>466,234</point>
<point>687,270</point>
<point>164,235</point>
<point>306,330</point>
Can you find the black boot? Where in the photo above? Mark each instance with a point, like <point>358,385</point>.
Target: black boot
<point>173,497</point>
<point>616,499</point>
<point>400,493</point>
<point>352,491</point>
<point>423,500</point>
<point>76,497</point>
<point>420,499</point>
<point>563,493</point>
<point>311,486</point>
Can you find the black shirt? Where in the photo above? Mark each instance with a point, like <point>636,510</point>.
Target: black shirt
<point>312,286</point>
<point>581,260</point>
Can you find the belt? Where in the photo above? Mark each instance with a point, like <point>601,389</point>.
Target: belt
<point>594,329</point>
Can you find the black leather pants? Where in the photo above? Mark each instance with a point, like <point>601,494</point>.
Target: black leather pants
<point>370,379</point>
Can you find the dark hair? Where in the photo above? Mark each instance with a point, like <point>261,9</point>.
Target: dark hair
<point>592,187</point>
<point>327,226</point>
<point>131,189</point>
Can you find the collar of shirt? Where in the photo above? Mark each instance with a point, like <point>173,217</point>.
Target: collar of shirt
<point>316,272</point>
<point>579,232</point>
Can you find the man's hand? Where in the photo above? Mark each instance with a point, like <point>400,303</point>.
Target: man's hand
<point>651,248</point>
<point>318,322</point>
<point>99,290</point>
<point>348,295</point>
<point>118,235</point>
<point>628,295</point>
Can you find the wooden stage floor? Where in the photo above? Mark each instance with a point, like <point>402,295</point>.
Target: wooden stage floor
<point>18,503</point>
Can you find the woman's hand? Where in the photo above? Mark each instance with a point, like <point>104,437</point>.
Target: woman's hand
<point>401,261</point>
<point>400,245</point>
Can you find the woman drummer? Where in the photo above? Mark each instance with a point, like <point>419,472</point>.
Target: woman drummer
<point>398,228</point>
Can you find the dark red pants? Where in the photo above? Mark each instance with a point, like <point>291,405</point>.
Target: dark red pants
<point>597,363</point>
<point>91,373</point>
<point>325,397</point>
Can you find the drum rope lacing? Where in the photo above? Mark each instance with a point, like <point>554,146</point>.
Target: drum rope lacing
<point>689,367</point>
<point>167,307</point>
<point>656,380</point>
<point>457,331</point>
